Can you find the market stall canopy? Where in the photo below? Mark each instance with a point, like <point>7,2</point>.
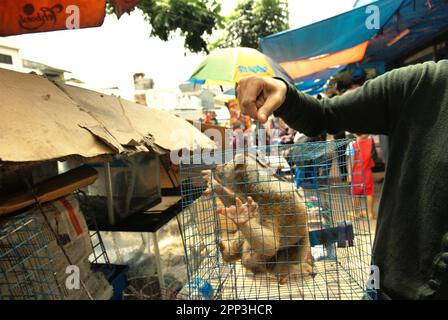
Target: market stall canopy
<point>327,44</point>
<point>31,16</point>
<point>312,54</point>
<point>43,120</point>
<point>338,33</point>
<point>418,23</point>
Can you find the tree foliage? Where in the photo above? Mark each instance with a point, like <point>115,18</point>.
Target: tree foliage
<point>195,19</point>
<point>252,20</point>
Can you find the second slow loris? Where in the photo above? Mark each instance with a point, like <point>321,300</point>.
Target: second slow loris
<point>272,234</point>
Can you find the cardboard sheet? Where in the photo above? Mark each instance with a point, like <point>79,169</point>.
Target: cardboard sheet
<point>41,121</point>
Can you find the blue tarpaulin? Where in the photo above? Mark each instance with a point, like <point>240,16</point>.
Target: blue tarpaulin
<point>425,19</point>
<point>315,83</point>
<point>328,36</point>
<point>360,3</point>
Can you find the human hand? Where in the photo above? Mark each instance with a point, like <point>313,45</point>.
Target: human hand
<point>259,96</point>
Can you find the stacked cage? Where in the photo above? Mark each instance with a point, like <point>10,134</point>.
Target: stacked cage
<point>46,250</point>
<point>284,222</point>
<point>25,262</point>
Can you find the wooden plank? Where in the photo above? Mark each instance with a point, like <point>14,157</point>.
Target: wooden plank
<point>50,189</point>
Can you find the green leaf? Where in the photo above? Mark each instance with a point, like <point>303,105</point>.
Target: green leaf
<point>252,20</point>
<point>193,18</point>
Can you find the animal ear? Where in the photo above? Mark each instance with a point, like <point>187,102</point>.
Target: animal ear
<point>240,167</point>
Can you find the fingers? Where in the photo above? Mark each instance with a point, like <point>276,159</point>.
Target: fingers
<point>206,172</point>
<point>259,97</point>
<point>239,203</point>
<point>227,212</point>
<point>251,206</point>
<point>206,175</point>
<point>272,103</point>
<point>248,92</point>
<point>251,203</point>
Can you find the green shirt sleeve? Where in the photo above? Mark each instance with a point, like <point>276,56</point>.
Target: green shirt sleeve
<point>373,108</point>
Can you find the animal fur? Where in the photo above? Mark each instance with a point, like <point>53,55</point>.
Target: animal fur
<point>275,239</point>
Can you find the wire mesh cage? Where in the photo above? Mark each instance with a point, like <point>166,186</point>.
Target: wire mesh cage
<point>26,269</point>
<point>99,258</point>
<point>37,246</point>
<point>99,254</point>
<point>276,223</point>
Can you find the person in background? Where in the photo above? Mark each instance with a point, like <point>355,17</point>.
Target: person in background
<point>288,137</point>
<point>360,174</point>
<point>359,77</point>
<point>235,115</point>
<point>341,153</point>
<point>206,118</point>
<point>337,88</point>
<point>238,134</point>
<point>275,129</point>
<point>213,119</point>
<point>278,132</point>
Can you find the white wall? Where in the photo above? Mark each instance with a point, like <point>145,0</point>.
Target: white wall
<point>14,53</point>
<point>171,99</point>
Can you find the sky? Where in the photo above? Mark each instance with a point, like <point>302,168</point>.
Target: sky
<point>108,56</point>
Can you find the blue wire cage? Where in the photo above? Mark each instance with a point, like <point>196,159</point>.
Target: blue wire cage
<point>276,223</point>
<point>28,264</point>
<point>26,270</point>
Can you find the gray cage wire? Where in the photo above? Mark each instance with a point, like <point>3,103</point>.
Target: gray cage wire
<point>276,223</point>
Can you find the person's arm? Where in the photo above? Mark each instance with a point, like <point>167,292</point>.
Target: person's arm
<point>373,108</point>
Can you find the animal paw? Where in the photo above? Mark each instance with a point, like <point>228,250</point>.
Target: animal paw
<point>307,270</point>
<point>230,250</point>
<point>208,179</point>
<point>296,272</point>
<point>241,213</point>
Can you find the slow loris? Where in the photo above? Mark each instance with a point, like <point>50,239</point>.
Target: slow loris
<point>272,234</point>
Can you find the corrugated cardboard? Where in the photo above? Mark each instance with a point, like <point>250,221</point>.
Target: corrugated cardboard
<point>44,121</point>
<point>39,122</point>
